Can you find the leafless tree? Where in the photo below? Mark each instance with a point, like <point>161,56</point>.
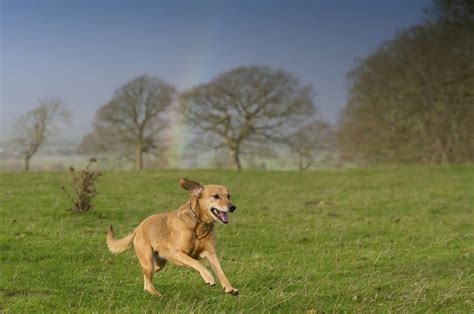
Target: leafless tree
<point>33,128</point>
<point>247,107</point>
<point>133,120</point>
<point>308,142</point>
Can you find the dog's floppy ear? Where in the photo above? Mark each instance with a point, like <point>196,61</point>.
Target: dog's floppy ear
<point>192,187</point>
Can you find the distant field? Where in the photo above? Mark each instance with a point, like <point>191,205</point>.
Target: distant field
<point>356,240</point>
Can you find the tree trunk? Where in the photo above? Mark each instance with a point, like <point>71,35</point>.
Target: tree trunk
<point>27,163</point>
<point>234,157</point>
<point>139,157</point>
<point>300,163</point>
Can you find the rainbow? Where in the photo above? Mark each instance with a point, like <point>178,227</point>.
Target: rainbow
<point>195,70</point>
<point>177,133</point>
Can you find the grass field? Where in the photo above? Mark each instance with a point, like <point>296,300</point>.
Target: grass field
<point>374,240</point>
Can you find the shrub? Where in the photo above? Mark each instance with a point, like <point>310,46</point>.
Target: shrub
<point>83,187</point>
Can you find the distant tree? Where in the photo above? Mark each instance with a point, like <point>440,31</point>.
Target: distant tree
<point>412,100</point>
<point>454,12</point>
<point>455,16</point>
<point>246,108</point>
<point>132,121</point>
<point>33,129</point>
<point>308,142</point>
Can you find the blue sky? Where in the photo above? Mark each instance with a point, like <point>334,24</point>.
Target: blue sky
<point>81,51</point>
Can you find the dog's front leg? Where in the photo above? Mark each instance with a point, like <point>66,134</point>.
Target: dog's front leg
<point>216,266</point>
<point>182,259</point>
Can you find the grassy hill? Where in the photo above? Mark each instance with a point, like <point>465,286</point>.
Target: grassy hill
<point>353,240</point>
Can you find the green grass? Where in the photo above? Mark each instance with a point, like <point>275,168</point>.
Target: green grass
<point>373,240</point>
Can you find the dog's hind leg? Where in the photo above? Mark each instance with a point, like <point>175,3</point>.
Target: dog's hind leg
<point>145,257</point>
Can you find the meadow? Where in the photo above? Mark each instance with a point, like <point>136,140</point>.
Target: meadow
<point>360,240</point>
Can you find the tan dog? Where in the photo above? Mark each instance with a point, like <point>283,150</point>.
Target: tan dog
<point>181,236</point>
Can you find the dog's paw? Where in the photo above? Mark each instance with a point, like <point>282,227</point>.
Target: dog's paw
<point>152,291</point>
<point>231,291</point>
<point>210,283</point>
<point>208,279</point>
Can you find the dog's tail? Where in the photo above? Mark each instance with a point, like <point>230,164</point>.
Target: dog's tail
<point>118,245</point>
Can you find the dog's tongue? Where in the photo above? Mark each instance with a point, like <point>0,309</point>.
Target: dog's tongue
<point>223,217</point>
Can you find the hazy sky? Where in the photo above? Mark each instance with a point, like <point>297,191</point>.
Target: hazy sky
<point>81,51</point>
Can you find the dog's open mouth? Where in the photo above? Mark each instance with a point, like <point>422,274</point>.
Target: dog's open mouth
<point>220,215</point>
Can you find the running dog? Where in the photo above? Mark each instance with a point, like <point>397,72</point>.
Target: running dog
<point>181,236</point>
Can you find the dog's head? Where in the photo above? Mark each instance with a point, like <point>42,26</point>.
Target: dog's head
<point>213,200</point>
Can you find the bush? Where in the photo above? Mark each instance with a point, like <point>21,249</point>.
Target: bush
<point>83,186</point>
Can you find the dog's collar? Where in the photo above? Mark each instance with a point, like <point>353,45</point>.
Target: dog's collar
<point>196,216</point>
<point>209,226</point>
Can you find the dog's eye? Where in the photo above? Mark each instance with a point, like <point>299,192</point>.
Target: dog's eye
<point>228,196</point>
<point>215,196</point>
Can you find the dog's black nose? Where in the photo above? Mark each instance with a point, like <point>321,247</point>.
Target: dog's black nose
<point>232,208</point>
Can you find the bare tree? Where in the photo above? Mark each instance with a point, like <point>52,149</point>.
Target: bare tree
<point>308,142</point>
<point>33,129</point>
<point>133,120</point>
<point>247,106</point>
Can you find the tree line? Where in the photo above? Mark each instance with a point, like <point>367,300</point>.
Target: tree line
<point>411,101</point>
<point>247,109</point>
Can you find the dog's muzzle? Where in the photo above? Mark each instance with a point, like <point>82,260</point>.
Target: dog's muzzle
<point>222,215</point>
